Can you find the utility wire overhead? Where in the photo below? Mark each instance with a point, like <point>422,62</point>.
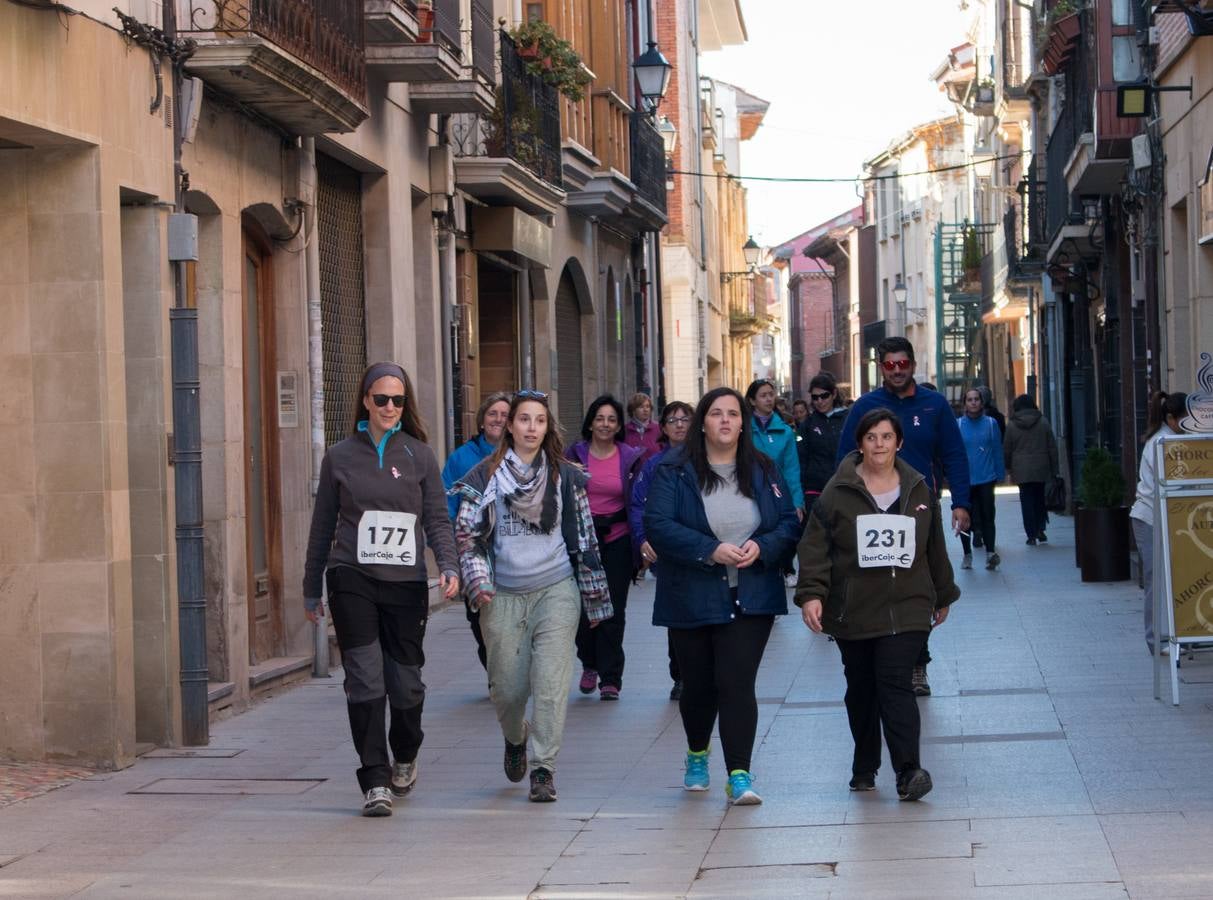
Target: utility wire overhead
<point>853,180</point>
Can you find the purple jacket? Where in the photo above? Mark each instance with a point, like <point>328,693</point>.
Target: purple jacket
<point>631,461</point>
<point>646,437</point>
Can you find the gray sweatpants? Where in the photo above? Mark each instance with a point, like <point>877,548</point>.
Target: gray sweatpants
<point>1143,534</point>
<point>530,643</point>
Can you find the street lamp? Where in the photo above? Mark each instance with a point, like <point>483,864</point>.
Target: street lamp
<point>751,251</point>
<point>669,134</point>
<point>900,291</point>
<point>652,75</point>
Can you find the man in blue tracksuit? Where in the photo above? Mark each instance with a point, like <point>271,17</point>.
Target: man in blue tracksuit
<point>932,438</point>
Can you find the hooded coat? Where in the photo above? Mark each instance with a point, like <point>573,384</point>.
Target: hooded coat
<point>1029,448</point>
<point>861,603</point>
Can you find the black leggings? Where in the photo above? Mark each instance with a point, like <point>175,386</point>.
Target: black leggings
<point>982,516</point>
<point>601,648</point>
<point>719,666</point>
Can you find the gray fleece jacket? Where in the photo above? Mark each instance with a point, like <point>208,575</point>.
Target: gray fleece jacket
<point>401,475</point>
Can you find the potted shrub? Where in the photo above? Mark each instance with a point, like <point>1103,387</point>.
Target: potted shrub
<point>1102,531</point>
<point>550,57</point>
<point>971,259</point>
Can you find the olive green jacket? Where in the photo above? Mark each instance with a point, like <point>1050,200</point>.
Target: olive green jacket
<point>873,602</point>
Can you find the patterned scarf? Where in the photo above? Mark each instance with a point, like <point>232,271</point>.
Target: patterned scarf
<point>527,490</point>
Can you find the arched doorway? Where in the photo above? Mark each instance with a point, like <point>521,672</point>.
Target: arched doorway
<point>569,359</point>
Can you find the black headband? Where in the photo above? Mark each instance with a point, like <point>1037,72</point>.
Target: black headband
<point>380,370</point>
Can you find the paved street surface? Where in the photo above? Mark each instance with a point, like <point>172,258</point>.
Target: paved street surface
<point>1057,775</point>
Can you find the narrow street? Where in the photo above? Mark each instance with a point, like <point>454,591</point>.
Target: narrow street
<point>1056,775</point>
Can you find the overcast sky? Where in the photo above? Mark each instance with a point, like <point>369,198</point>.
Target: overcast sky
<point>843,80</point>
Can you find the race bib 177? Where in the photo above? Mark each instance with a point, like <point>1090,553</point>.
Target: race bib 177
<point>387,538</point>
<point>885,540</point>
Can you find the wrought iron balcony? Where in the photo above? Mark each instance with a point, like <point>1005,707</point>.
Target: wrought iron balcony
<point>648,164</point>
<point>520,135</point>
<point>300,63</point>
<point>445,74</point>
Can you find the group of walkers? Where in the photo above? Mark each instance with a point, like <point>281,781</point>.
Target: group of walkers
<point>716,500</point>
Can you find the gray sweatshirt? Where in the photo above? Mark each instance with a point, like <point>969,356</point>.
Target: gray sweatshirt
<point>383,505</point>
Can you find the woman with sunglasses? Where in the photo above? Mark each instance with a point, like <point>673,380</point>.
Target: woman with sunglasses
<point>819,434</point>
<point>612,466</point>
<point>379,502</point>
<point>530,561</point>
<point>675,422</point>
<point>720,520</point>
<point>774,436</point>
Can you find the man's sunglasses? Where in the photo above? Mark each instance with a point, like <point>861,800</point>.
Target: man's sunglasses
<point>896,365</point>
<point>382,400</point>
<point>820,396</point>
<point>530,395</point>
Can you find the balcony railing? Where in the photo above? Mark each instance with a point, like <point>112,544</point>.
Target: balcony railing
<point>524,126</point>
<point>1062,142</point>
<point>482,38</point>
<point>648,162</point>
<point>324,34</point>
<point>446,24</point>
<point>1028,224</point>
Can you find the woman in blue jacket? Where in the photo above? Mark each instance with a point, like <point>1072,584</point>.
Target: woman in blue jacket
<point>983,446</point>
<point>721,521</point>
<point>774,436</point>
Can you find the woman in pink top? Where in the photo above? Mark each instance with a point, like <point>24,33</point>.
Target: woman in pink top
<point>641,430</point>
<point>613,467</point>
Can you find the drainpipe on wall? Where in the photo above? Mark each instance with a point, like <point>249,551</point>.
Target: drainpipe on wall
<point>187,455</point>
<point>446,298</point>
<point>309,183</point>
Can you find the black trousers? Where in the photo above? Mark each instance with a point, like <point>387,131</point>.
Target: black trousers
<point>1032,505</point>
<point>982,516</point>
<point>380,628</point>
<point>879,694</point>
<point>675,675</point>
<point>719,665</point>
<point>601,648</point>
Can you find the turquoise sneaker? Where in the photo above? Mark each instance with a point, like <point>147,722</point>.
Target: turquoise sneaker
<point>740,790</point>
<point>697,777</point>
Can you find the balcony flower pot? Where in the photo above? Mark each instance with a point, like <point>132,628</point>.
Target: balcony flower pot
<point>425,24</point>
<point>553,59</point>
<point>1067,27</point>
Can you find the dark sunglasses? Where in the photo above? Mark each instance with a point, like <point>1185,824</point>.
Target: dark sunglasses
<point>820,396</point>
<point>896,365</point>
<point>530,395</point>
<point>382,400</point>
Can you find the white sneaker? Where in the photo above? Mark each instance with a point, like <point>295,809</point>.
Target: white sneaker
<point>378,802</point>
<point>404,776</point>
<point>967,562</point>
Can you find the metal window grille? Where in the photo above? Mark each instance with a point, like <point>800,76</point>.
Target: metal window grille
<point>342,292</point>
